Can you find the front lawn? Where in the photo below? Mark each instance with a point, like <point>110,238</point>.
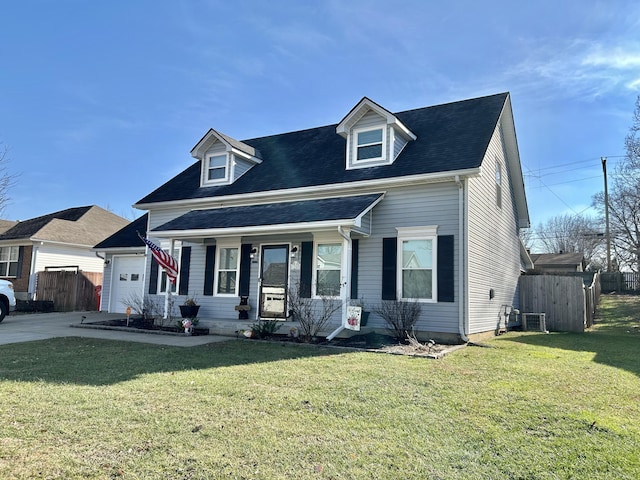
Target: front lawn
<point>529,406</point>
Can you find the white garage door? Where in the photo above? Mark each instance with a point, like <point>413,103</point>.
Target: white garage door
<point>127,280</point>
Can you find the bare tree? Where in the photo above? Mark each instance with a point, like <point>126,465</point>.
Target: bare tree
<point>624,201</point>
<point>400,317</point>
<point>313,314</point>
<point>7,180</point>
<point>573,234</point>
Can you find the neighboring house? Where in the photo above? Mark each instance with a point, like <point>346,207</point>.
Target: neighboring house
<point>423,204</point>
<point>558,262</point>
<point>124,266</point>
<point>58,241</point>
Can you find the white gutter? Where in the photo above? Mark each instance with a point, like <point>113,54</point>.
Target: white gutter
<point>462,327</point>
<point>347,281</point>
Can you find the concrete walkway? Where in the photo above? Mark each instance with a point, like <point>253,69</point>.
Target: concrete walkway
<point>41,326</point>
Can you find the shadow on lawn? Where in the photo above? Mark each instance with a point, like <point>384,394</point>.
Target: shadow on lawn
<point>86,361</point>
<point>615,337</point>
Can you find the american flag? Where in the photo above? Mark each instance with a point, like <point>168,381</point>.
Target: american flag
<point>166,261</point>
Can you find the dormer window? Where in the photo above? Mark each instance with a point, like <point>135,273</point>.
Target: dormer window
<point>375,137</point>
<point>217,168</point>
<point>222,159</point>
<point>369,145</point>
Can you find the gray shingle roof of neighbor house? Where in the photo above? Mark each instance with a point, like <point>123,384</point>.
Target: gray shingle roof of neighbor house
<point>284,213</point>
<point>6,225</point>
<point>556,259</point>
<point>79,225</point>
<point>127,236</point>
<point>450,137</point>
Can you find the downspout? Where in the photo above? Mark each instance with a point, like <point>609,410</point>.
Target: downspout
<point>462,326</point>
<point>32,289</point>
<point>347,283</point>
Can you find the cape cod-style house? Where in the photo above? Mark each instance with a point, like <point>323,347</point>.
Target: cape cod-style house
<point>423,204</point>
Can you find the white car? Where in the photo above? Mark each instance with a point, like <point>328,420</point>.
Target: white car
<point>7,298</point>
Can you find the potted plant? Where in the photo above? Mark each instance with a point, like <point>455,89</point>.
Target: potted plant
<point>190,308</point>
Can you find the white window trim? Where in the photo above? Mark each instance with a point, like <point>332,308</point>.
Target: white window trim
<point>418,233</point>
<point>368,162</point>
<point>9,262</point>
<point>227,169</point>
<point>324,238</point>
<point>219,247</point>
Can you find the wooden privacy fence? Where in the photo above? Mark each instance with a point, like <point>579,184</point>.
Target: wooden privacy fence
<point>69,291</point>
<point>568,302</point>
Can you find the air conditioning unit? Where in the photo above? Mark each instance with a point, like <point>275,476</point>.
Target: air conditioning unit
<point>534,322</point>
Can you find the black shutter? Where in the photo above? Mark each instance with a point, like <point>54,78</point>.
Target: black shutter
<point>20,257</point>
<point>306,269</point>
<point>185,262</point>
<point>446,274</point>
<point>153,276</point>
<point>354,268</point>
<point>209,269</point>
<point>389,268</point>
<point>245,269</point>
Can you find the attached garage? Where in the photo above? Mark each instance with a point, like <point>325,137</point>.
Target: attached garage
<point>127,280</point>
<point>124,266</point>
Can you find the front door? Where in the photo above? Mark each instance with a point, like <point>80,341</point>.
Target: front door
<point>274,278</point>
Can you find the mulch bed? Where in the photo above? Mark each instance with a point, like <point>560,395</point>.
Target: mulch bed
<point>141,324</point>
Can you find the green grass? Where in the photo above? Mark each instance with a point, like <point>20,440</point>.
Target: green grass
<point>531,406</point>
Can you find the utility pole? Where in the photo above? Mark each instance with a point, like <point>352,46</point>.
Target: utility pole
<point>606,212</point>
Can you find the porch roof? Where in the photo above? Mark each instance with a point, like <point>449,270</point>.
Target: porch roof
<point>272,217</point>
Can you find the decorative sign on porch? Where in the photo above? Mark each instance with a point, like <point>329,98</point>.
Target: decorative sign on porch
<point>352,322</point>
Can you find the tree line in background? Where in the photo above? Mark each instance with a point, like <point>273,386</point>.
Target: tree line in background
<point>587,235</point>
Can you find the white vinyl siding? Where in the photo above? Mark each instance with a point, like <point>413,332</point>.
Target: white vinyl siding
<point>55,256</point>
<point>494,248</point>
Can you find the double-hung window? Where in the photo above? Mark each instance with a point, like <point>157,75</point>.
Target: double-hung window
<point>9,261</point>
<point>417,258</point>
<point>163,279</point>
<point>217,168</point>
<point>227,277</point>
<point>369,144</point>
<point>328,269</point>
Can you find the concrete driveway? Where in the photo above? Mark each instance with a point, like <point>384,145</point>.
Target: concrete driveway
<point>41,326</point>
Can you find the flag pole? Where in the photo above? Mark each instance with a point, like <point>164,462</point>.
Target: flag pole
<point>167,302</point>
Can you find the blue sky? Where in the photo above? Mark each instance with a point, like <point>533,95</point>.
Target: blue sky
<point>101,102</point>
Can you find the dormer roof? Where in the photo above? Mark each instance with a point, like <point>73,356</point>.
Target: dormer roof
<point>231,144</point>
<point>363,107</point>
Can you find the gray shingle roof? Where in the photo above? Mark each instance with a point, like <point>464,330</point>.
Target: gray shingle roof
<point>127,236</point>
<point>304,211</point>
<point>452,136</point>
<point>80,225</point>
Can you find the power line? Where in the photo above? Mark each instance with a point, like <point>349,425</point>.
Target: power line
<point>595,160</point>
